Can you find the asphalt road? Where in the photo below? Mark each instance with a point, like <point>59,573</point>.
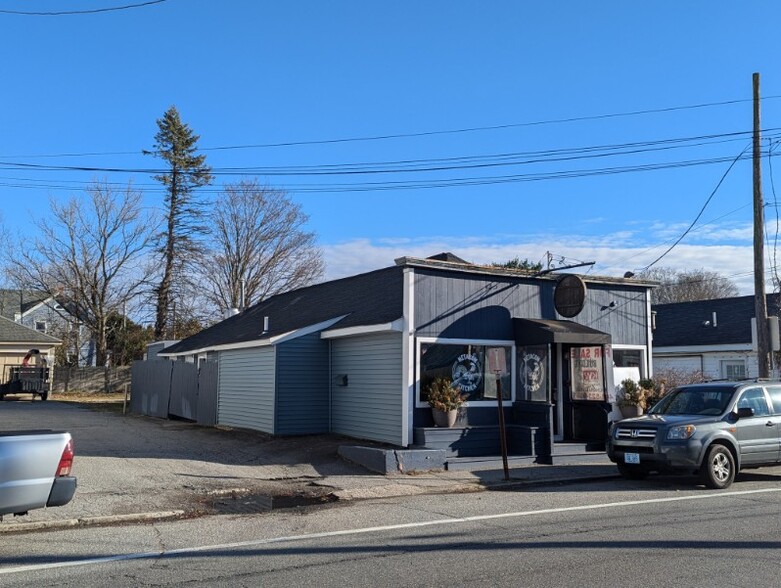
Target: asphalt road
<point>659,532</point>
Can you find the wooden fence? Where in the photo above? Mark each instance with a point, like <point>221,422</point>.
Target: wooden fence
<point>164,389</point>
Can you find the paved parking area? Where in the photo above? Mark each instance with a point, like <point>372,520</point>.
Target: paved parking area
<point>131,464</point>
<point>136,465</point>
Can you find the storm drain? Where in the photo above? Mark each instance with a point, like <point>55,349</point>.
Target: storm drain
<point>259,503</point>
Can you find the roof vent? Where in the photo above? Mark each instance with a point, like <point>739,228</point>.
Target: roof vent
<point>265,324</point>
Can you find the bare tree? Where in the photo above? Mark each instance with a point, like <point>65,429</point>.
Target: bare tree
<point>260,246</point>
<point>89,254</point>
<point>689,285</point>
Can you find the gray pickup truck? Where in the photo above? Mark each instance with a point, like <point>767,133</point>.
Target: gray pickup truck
<point>713,430</point>
<point>35,470</point>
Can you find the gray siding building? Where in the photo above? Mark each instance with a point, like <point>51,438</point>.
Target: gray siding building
<point>354,356</point>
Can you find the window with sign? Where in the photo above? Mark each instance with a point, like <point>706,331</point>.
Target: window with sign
<point>468,366</point>
<point>588,374</point>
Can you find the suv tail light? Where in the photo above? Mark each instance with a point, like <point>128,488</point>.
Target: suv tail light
<point>66,461</point>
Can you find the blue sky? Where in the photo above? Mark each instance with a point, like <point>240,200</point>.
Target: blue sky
<point>525,77</point>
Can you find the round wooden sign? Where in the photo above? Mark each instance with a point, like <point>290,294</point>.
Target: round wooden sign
<point>569,295</point>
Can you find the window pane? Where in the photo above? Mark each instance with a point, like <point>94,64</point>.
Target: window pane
<point>465,365</point>
<point>733,369</point>
<point>628,358</point>
<point>775,396</point>
<point>532,365</point>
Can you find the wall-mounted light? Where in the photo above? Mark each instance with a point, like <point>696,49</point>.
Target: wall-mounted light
<point>341,380</point>
<point>612,304</point>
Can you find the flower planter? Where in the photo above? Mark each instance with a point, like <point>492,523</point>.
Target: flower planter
<point>630,410</point>
<point>444,418</point>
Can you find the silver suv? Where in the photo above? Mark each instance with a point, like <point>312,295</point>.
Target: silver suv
<point>713,429</point>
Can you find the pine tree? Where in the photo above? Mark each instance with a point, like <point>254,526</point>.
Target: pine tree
<point>175,143</point>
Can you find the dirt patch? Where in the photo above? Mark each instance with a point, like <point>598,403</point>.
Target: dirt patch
<point>260,500</point>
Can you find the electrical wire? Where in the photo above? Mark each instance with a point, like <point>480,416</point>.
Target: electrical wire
<point>77,12</point>
<point>702,210</point>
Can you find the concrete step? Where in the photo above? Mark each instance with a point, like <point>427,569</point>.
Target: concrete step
<point>577,447</point>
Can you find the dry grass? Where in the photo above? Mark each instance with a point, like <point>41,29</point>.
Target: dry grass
<point>94,401</point>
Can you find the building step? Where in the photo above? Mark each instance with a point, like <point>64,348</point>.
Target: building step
<point>577,447</point>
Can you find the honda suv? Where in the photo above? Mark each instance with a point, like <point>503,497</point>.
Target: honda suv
<point>713,430</point>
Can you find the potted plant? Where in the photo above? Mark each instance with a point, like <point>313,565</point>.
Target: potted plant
<point>632,401</point>
<point>444,400</point>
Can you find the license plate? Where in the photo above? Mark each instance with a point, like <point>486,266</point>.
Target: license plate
<point>631,458</point>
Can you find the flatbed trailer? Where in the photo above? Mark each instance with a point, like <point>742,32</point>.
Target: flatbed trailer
<point>25,380</point>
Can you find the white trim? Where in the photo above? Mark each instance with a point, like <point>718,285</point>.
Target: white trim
<point>696,349</point>
<point>397,326</point>
<point>482,342</point>
<point>408,358</point>
<point>649,352</point>
<point>36,307</point>
<point>276,340</point>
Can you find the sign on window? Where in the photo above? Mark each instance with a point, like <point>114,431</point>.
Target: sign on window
<point>588,378</point>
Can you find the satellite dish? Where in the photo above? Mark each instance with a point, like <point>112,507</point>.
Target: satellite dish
<point>569,297</point>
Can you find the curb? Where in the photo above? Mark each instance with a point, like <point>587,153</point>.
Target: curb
<point>91,521</point>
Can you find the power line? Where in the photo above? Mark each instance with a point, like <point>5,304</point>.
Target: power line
<point>416,134</point>
<point>702,210</point>
<point>77,12</point>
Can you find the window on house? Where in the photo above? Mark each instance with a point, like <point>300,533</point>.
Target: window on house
<point>628,358</point>
<point>733,369</point>
<point>40,326</point>
<point>465,365</point>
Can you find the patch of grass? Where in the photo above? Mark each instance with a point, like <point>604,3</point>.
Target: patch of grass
<point>100,402</point>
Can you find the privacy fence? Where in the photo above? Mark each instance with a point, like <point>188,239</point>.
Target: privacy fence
<point>163,388</point>
<point>90,380</point>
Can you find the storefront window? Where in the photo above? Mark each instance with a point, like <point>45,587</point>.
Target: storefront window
<point>465,365</point>
<point>533,373</point>
<point>588,374</point>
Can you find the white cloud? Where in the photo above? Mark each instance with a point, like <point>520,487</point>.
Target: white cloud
<point>613,255</point>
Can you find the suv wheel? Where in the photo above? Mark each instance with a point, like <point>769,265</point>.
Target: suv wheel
<point>632,472</point>
<point>718,469</point>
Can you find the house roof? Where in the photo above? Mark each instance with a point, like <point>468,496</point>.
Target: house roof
<point>691,323</point>
<point>373,298</point>
<point>19,301</point>
<point>370,299</point>
<point>12,332</point>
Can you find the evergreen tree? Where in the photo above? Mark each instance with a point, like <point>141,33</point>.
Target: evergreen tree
<point>175,143</point>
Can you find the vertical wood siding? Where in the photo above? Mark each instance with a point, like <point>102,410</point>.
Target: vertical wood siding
<point>370,406</point>
<point>302,386</point>
<point>246,388</point>
<point>183,400</point>
<point>150,388</point>
<point>464,306</point>
<point>207,393</point>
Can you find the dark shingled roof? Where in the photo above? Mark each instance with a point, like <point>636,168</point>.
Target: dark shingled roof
<point>16,301</point>
<point>11,332</point>
<point>683,323</point>
<point>373,298</point>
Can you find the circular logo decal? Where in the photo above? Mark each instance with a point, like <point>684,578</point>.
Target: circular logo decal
<point>467,372</point>
<point>531,371</point>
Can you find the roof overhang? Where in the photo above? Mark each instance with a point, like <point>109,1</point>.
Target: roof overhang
<point>395,326</point>
<point>259,342</point>
<point>694,349</point>
<point>543,332</point>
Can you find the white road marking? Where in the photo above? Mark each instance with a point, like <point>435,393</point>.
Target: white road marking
<point>364,530</point>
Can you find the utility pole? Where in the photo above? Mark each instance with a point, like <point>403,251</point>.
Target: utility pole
<point>760,302</point>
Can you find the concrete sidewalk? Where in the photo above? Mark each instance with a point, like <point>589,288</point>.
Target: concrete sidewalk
<point>132,468</point>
